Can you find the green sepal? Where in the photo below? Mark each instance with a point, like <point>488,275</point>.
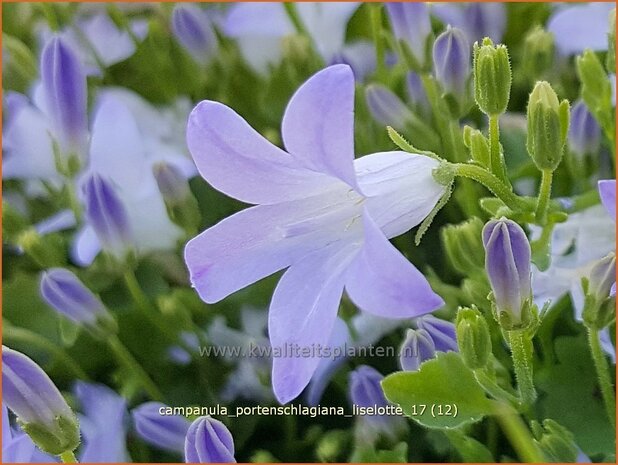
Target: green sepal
<point>61,436</point>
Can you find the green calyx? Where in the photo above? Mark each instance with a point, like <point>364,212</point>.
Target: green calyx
<point>473,338</point>
<point>61,436</point>
<point>492,77</point>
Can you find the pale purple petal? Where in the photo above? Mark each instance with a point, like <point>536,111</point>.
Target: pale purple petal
<point>302,313</point>
<point>607,191</point>
<point>209,441</point>
<point>85,247</point>
<point>163,431</point>
<point>21,449</point>
<point>400,189</point>
<point>361,57</point>
<point>261,240</point>
<point>62,220</point>
<point>477,20</point>
<point>441,331</point>
<point>383,282</point>
<point>411,24</point>
<point>238,161</point>
<point>192,28</point>
<point>257,19</point>
<point>318,124</point>
<point>386,107</point>
<point>579,27</point>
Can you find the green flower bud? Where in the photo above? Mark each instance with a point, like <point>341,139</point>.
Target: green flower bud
<point>610,62</point>
<point>473,337</point>
<point>539,51</point>
<point>478,145</point>
<point>492,77</point>
<point>556,442</point>
<point>548,126</point>
<point>464,246</point>
<point>596,87</point>
<point>332,445</point>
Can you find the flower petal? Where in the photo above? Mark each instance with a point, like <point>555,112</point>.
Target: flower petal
<point>579,27</point>
<point>86,247</point>
<point>239,162</point>
<point>302,315</point>
<point>400,188</point>
<point>318,124</point>
<point>261,240</point>
<point>383,282</point>
<point>607,191</point>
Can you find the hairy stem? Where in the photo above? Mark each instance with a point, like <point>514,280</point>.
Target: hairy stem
<point>600,363</point>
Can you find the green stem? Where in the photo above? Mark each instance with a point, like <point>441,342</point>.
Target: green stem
<point>600,363</point>
<point>376,30</point>
<point>544,197</point>
<point>125,358</point>
<point>290,9</point>
<point>25,336</point>
<point>491,182</point>
<point>68,457</point>
<point>518,434</point>
<point>492,388</point>
<point>495,158</point>
<point>521,351</point>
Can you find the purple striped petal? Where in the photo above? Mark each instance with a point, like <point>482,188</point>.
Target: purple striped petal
<point>209,441</point>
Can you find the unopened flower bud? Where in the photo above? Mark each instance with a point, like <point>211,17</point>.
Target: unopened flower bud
<point>473,338</point>
<point>417,94</point>
<point>584,131</point>
<point>442,332</point>
<point>209,441</point>
<point>492,77</point>
<point>464,247</point>
<point>451,62</point>
<point>65,96</point>
<point>599,311</point>
<point>478,145</point>
<point>412,27</point>
<point>164,431</point>
<point>193,29</point>
<point>507,262</point>
<point>65,293</point>
<point>41,410</point>
<point>596,88</point>
<point>548,125</point>
<point>417,348</point>
<point>539,52</point>
<point>386,108</point>
<point>556,442</point>
<point>107,216</point>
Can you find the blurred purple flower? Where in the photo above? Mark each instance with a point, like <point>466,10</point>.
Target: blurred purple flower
<point>103,424</point>
<point>417,347</point>
<point>163,431</point>
<point>64,292</point>
<point>607,191</point>
<point>65,96</point>
<point>451,62</point>
<point>17,447</point>
<point>194,31</point>
<point>416,94</point>
<point>507,261</point>
<point>209,441</point>
<point>319,213</point>
<point>411,24</point>
<point>578,27</point>
<point>476,20</point>
<point>584,131</point>
<point>386,108</point>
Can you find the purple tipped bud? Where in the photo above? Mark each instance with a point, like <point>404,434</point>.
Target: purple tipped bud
<point>607,191</point>
<point>442,332</point>
<point>65,293</point>
<point>64,89</point>
<point>107,215</point>
<point>507,262</point>
<point>209,441</point>
<point>417,348</point>
<point>603,277</point>
<point>416,92</point>
<point>584,131</point>
<point>386,108</point>
<point>159,429</point>
<point>365,389</point>
<point>193,30</point>
<point>451,61</point>
<point>411,24</point>
<point>172,184</point>
<point>40,408</point>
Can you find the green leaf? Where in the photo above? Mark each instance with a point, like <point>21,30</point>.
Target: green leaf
<point>367,454</point>
<point>448,390</point>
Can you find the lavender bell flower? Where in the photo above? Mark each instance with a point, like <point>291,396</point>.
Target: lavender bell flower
<point>319,212</point>
<point>65,96</point>
<point>163,431</point>
<point>417,348</point>
<point>386,108</point>
<point>209,441</point>
<point>580,27</point>
<point>411,24</point>
<point>476,20</point>
<point>194,31</point>
<point>64,292</point>
<point>41,410</point>
<point>507,261</point>
<point>107,216</point>
<point>584,131</point>
<point>17,447</point>
<point>416,93</point>
<point>442,332</point>
<point>103,424</point>
<point>451,62</point>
